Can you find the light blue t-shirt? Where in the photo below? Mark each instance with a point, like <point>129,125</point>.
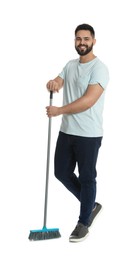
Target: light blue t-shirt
<point>77,76</point>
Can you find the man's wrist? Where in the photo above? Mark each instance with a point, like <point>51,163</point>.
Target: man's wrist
<point>61,110</point>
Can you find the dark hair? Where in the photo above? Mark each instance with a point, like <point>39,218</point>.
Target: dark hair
<point>87,27</point>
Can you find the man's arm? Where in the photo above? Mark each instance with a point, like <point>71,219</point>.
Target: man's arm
<point>85,102</point>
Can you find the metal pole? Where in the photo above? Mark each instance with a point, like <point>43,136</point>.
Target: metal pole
<point>48,162</point>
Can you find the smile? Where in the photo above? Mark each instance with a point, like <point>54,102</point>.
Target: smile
<point>82,47</point>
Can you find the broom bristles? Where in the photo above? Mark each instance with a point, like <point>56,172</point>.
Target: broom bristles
<point>43,234</point>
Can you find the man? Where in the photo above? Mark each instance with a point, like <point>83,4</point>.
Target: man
<point>84,81</point>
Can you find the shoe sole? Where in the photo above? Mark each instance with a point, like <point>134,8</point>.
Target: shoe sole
<point>75,240</point>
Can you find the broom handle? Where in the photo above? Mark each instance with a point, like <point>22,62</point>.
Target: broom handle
<point>48,162</point>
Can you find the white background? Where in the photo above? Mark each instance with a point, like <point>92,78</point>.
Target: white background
<point>36,41</point>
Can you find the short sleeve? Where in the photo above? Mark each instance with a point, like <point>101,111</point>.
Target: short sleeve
<point>100,75</point>
<point>63,72</point>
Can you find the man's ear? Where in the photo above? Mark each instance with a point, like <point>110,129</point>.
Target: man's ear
<point>94,41</point>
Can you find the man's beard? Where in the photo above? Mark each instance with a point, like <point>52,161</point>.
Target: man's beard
<point>83,52</point>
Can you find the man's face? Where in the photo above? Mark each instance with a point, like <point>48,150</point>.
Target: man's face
<point>84,42</point>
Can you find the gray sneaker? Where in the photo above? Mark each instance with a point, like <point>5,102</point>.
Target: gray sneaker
<point>79,233</point>
<point>94,213</point>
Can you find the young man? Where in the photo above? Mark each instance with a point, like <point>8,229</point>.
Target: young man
<point>84,81</point>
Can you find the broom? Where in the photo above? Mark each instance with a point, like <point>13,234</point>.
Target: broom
<point>45,233</point>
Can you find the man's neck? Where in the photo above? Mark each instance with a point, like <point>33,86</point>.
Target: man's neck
<point>87,58</point>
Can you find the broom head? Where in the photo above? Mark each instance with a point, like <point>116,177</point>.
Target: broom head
<point>43,234</point>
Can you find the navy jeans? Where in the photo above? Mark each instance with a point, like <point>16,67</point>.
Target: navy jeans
<point>83,151</point>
